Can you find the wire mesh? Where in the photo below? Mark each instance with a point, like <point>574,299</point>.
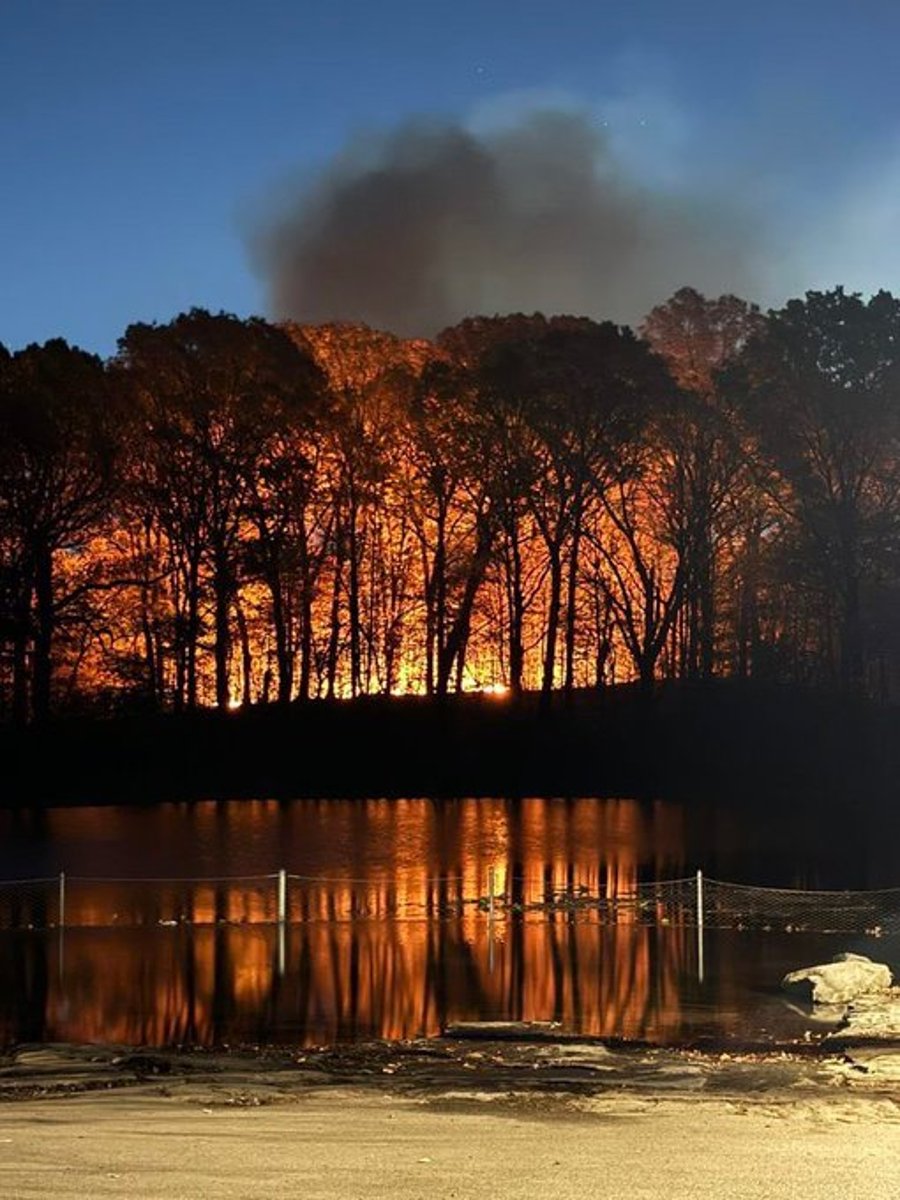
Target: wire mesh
<point>738,906</point>
<point>29,903</point>
<point>662,902</point>
<point>84,902</point>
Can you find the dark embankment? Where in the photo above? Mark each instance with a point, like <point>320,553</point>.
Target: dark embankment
<point>723,741</point>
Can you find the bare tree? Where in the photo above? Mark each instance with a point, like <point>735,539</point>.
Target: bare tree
<point>57,453</point>
<point>213,392</point>
<point>819,390</point>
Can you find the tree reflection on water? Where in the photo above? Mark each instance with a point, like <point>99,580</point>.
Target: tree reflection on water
<point>384,937</point>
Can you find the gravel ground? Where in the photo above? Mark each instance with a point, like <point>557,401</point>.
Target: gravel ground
<point>450,1118</point>
<point>352,1144</point>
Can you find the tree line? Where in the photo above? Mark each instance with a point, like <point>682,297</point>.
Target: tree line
<point>233,512</point>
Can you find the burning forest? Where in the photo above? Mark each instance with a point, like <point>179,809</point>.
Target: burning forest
<point>233,512</point>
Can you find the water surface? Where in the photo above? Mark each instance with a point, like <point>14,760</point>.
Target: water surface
<point>385,937</point>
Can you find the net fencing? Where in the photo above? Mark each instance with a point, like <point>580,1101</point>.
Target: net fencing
<point>283,897</point>
<point>716,904</point>
<point>743,907</point>
<point>29,903</point>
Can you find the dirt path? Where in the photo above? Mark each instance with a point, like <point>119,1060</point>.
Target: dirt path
<point>351,1144</point>
<point>448,1118</point>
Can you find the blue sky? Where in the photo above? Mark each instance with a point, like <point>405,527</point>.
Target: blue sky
<point>142,139</point>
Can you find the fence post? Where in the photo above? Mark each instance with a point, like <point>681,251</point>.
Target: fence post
<point>700,963</point>
<point>62,899</point>
<point>282,918</point>
<point>491,889</point>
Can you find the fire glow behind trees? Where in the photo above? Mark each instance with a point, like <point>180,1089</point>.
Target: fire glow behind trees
<point>237,512</point>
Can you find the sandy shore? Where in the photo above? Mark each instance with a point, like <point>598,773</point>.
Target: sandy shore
<point>349,1144</point>
<point>447,1119</point>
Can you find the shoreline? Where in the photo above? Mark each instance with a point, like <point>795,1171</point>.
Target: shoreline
<point>747,742</point>
<point>482,1063</point>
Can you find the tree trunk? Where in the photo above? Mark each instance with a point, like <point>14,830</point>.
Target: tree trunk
<point>553,612</point>
<point>246,655</point>
<point>151,665</point>
<point>439,577</point>
<point>748,615</point>
<point>43,633</point>
<point>192,633</point>
<point>353,606</point>
<point>21,638</point>
<point>283,656</point>
<point>646,674</point>
<point>335,621</point>
<point>222,605</point>
<point>706,587</point>
<point>430,638</point>
<point>458,635</point>
<point>572,605</point>
<point>306,639</point>
<point>516,611</point>
<point>152,661</point>
<point>435,601</point>
<point>305,616</point>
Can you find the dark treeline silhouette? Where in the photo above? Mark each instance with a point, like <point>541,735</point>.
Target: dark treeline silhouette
<point>231,512</point>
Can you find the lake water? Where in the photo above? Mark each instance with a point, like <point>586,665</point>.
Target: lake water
<point>384,938</point>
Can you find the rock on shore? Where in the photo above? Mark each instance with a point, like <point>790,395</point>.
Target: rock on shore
<point>841,981</point>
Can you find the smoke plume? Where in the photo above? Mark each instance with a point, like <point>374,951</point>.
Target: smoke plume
<point>430,223</point>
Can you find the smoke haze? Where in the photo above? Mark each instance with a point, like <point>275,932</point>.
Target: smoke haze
<point>431,223</point>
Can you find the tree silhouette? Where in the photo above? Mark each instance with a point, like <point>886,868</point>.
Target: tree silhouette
<point>577,394</point>
<point>697,338</point>
<point>215,394</point>
<point>233,511</point>
<point>819,389</point>
<point>57,449</point>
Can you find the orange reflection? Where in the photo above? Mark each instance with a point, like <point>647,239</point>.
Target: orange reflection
<point>346,980</point>
<point>386,937</point>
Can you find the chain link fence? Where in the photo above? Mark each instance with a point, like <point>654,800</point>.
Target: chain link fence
<point>737,906</point>
<point>283,897</point>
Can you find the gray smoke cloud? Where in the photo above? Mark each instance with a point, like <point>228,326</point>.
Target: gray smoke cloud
<point>433,222</point>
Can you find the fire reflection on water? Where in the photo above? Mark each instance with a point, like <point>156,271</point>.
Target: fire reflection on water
<point>343,981</point>
<point>382,939</point>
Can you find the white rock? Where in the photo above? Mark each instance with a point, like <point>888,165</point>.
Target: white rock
<point>841,981</point>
